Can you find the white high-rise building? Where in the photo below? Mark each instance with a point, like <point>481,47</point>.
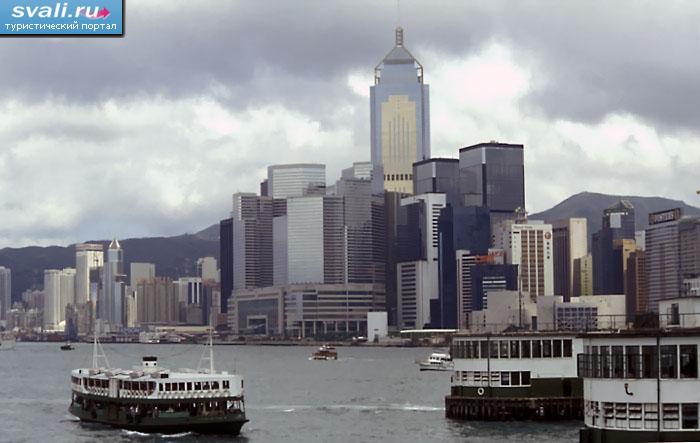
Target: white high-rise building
<point>296,180</point>
<point>88,257</point>
<point>207,269</point>
<point>5,292</point>
<point>67,289</point>
<point>570,243</point>
<point>59,292</point>
<point>528,245</point>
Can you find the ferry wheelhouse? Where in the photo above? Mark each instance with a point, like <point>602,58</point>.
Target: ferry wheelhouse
<point>523,375</point>
<point>640,385</point>
<point>152,399</point>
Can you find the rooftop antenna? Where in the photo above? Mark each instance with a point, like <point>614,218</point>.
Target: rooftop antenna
<point>398,13</point>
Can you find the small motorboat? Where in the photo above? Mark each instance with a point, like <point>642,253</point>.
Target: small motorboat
<point>325,352</point>
<point>436,362</point>
<point>67,347</point>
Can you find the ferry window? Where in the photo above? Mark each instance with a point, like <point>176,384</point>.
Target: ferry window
<point>151,386</point>
<point>494,349</point>
<point>669,364</point>
<point>462,349</point>
<point>609,414</point>
<point>475,349</point>
<point>690,415</point>
<point>168,387</point>
<point>215,385</point>
<point>515,378</point>
<point>525,378</point>
<point>620,415</point>
<point>525,348</point>
<point>225,384</point>
<point>651,415</point>
<point>567,348</point>
<point>536,349</point>
<point>605,361</point>
<point>484,349</point>
<point>556,348</point>
<point>206,386</point>
<point>635,415</point>
<point>504,348</point>
<point>546,348</point>
<point>618,369</point>
<point>189,385</point>
<point>689,361</point>
<point>181,386</point>
<point>632,366</point>
<point>670,415</point>
<point>514,349</point>
<point>160,387</point>
<point>197,386</point>
<point>649,362</point>
<point>505,378</point>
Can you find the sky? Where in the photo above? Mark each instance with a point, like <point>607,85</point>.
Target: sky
<point>151,134</point>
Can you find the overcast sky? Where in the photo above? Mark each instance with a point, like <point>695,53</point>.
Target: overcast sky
<point>151,134</point>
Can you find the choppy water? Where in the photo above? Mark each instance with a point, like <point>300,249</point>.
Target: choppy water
<point>370,394</point>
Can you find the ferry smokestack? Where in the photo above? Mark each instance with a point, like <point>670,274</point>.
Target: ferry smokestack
<point>150,361</point>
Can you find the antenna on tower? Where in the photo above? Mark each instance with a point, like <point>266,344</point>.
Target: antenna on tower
<point>398,13</point>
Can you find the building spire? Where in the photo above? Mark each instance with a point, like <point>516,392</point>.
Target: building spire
<point>399,36</point>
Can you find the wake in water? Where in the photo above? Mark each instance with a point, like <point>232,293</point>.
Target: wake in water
<point>168,436</point>
<point>351,407</point>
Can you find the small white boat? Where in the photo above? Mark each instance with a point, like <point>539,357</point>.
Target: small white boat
<point>436,362</point>
<point>7,342</point>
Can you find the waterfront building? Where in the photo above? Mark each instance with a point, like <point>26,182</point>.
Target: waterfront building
<point>358,171</point>
<point>280,253</point>
<point>394,223</point>
<point>189,290</point>
<point>295,180</point>
<point>67,287</point>
<point>377,326</point>
<point>570,241</point>
<point>226,259</point>
<point>416,287</point>
<point>529,246</point>
<point>608,267</point>
<point>33,299</point>
<point>207,269</point>
<point>88,257</point>
<point>663,257</point>
<point>691,287</point>
<point>400,119</point>
<point>130,307</point>
<point>5,292</point>
<point>493,175</point>
<point>141,271</point>
<point>257,311</point>
<point>211,302</point>
<point>438,175</point>
<point>111,306</point>
<point>252,241</point>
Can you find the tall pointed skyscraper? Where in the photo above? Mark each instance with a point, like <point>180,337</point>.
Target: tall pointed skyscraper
<point>399,109</point>
<point>113,283</point>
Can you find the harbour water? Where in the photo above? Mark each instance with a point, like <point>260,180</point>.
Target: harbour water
<point>369,394</point>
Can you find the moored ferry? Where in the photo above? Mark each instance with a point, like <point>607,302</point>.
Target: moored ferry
<point>523,375</point>
<point>640,385</point>
<point>152,399</point>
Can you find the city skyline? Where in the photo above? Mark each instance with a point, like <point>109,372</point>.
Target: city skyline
<point>164,157</point>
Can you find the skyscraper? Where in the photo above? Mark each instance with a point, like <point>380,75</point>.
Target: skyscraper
<point>608,268</point>
<point>663,257</point>
<point>5,292</point>
<point>295,180</point>
<point>207,269</point>
<point>252,241</point>
<point>528,245</point>
<point>88,256</point>
<point>111,305</point>
<point>438,175</point>
<point>141,271</point>
<point>570,242</point>
<point>493,175</point>
<point>226,260</point>
<point>52,299</point>
<point>400,119</point>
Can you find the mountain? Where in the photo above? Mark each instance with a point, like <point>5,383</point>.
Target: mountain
<point>590,205</point>
<point>211,233</point>
<point>173,256</point>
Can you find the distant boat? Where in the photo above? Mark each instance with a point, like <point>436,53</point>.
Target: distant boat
<point>67,347</point>
<point>436,362</point>
<point>325,352</point>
